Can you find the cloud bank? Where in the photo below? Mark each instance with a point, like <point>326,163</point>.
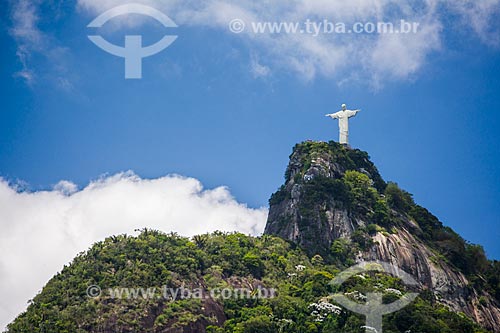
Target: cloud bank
<point>42,231</point>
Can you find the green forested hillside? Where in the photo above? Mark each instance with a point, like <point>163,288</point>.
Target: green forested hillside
<point>337,206</point>
<point>154,259</point>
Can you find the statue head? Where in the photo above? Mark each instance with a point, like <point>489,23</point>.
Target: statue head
<point>344,107</point>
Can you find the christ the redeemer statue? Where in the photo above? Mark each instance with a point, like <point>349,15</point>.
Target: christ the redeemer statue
<point>343,117</point>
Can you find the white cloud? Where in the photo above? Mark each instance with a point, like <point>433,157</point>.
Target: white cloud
<point>33,44</point>
<point>482,16</point>
<point>258,69</point>
<point>376,57</point>
<point>27,35</point>
<point>42,231</point>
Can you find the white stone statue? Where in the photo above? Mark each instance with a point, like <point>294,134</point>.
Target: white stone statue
<point>343,117</point>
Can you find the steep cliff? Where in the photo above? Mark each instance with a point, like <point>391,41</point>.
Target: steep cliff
<point>333,193</point>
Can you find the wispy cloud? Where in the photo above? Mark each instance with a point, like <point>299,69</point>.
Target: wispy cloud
<point>373,57</point>
<point>27,35</point>
<point>258,69</point>
<point>42,231</point>
<point>482,16</point>
<point>37,46</point>
<point>376,57</point>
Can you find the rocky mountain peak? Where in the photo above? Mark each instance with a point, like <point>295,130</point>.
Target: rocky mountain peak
<point>311,208</point>
<point>335,203</point>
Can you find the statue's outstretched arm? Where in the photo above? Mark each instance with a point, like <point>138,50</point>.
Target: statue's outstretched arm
<point>352,113</point>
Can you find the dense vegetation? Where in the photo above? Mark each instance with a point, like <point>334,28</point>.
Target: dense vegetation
<point>361,190</point>
<point>302,302</point>
<point>348,159</point>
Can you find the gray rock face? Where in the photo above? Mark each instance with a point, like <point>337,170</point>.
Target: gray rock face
<point>314,221</point>
<point>318,230</point>
<point>449,286</point>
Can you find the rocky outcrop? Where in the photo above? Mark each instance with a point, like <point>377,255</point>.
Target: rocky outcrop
<point>313,210</point>
<point>309,162</point>
<point>449,286</point>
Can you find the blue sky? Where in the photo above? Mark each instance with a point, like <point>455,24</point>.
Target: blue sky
<point>227,109</point>
<point>222,111</point>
